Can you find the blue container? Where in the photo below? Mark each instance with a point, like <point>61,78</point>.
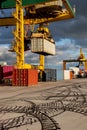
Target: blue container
<point>60,74</point>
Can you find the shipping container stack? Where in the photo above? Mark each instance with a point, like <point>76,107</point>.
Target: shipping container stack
<point>51,74</point>
<point>1,74</point>
<point>6,74</point>
<point>25,77</point>
<point>68,75</point>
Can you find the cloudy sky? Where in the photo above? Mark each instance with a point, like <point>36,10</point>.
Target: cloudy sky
<point>69,35</point>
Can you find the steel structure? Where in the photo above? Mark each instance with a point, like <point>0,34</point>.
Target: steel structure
<point>18,34</point>
<point>66,13</point>
<point>80,59</point>
<point>18,44</point>
<point>19,20</point>
<point>12,3</point>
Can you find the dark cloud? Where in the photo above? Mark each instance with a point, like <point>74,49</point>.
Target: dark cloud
<point>80,7</point>
<point>76,28</point>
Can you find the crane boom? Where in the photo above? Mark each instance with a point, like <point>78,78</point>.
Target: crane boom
<point>43,13</point>
<point>11,21</point>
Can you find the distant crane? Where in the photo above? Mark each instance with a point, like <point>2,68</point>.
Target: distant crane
<point>81,59</point>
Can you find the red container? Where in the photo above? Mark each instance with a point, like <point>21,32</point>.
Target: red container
<point>71,75</point>
<point>25,77</point>
<point>14,77</point>
<point>32,77</point>
<point>7,71</point>
<point>1,73</point>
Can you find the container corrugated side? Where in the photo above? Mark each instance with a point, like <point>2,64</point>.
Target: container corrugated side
<point>1,73</point>
<point>71,75</point>
<point>39,45</point>
<point>49,47</point>
<point>32,77</point>
<point>60,74</point>
<point>25,77</point>
<point>66,74</point>
<point>51,74</point>
<point>7,71</point>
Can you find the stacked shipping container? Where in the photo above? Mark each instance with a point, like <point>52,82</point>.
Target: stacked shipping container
<point>6,72</point>
<point>1,73</point>
<point>25,77</point>
<point>48,75</point>
<point>19,77</point>
<point>51,74</point>
<point>68,74</point>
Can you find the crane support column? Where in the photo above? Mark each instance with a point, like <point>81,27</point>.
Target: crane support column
<point>41,67</point>
<point>64,65</point>
<point>86,65</point>
<point>19,34</point>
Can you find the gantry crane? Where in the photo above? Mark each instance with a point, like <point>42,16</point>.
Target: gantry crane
<point>81,56</point>
<point>37,16</point>
<point>81,59</point>
<point>37,12</point>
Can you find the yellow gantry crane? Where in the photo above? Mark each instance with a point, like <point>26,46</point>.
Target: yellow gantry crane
<point>36,13</point>
<point>81,56</point>
<point>81,59</point>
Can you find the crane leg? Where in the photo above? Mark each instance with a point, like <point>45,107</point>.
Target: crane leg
<point>42,75</point>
